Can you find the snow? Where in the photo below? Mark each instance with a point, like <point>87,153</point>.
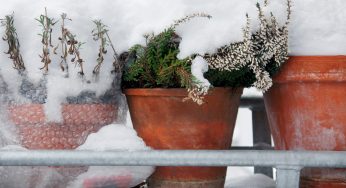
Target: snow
<point>252,92</point>
<point>198,68</point>
<point>253,181</point>
<point>59,87</point>
<point>317,28</point>
<point>315,23</point>
<point>114,137</point>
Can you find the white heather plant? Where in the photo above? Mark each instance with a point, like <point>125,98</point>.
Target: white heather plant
<point>252,62</point>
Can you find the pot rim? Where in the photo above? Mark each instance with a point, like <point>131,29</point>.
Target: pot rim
<point>174,91</point>
<point>312,69</point>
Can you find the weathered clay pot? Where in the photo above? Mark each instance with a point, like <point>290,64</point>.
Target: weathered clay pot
<point>164,121</point>
<point>306,109</point>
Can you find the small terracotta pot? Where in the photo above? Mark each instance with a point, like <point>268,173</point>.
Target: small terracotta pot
<point>306,109</point>
<point>164,121</point>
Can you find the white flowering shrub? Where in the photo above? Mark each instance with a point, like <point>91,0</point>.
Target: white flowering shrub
<point>262,52</point>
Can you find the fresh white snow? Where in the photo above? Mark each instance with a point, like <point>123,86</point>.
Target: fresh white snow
<point>253,181</point>
<point>317,28</point>
<point>114,137</point>
<point>198,68</point>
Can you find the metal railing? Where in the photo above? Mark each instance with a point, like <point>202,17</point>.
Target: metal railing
<point>287,163</point>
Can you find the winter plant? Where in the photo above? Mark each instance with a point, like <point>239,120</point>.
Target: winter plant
<point>11,38</point>
<point>156,64</point>
<point>262,52</point>
<point>46,23</point>
<point>100,34</point>
<point>69,46</point>
<point>68,49</point>
<point>251,62</point>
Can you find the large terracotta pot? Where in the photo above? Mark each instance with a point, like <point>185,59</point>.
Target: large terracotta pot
<point>164,121</point>
<point>306,109</point>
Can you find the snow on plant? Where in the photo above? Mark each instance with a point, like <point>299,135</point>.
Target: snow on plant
<point>46,23</point>
<point>252,61</point>
<point>11,38</point>
<point>263,52</point>
<point>156,64</point>
<point>201,85</point>
<point>69,46</point>
<point>100,33</point>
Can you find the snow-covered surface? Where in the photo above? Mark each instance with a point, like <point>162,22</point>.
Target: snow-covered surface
<point>114,137</point>
<point>252,92</point>
<point>252,181</point>
<point>317,28</point>
<point>315,23</point>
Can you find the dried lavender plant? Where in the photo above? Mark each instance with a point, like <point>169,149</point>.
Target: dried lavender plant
<point>69,46</point>
<point>46,24</point>
<point>100,33</point>
<point>11,38</point>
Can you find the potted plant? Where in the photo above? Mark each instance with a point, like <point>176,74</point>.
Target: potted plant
<point>173,106</point>
<point>306,111</point>
<point>79,115</point>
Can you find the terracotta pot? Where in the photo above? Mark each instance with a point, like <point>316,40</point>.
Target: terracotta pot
<point>164,121</point>
<point>306,111</point>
